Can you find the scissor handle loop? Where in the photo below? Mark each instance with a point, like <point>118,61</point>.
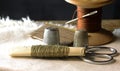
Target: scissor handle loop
<point>91,54</point>
<point>94,49</point>
<point>109,59</point>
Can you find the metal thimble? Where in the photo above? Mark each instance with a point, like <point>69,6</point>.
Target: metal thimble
<point>51,36</point>
<point>80,38</point>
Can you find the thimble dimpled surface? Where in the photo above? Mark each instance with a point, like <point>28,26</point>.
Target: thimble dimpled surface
<point>51,36</point>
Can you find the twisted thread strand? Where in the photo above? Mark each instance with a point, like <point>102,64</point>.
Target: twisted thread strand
<point>49,51</point>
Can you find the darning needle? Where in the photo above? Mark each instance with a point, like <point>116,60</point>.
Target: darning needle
<point>86,15</point>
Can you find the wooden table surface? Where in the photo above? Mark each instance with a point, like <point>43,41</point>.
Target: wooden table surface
<point>8,63</point>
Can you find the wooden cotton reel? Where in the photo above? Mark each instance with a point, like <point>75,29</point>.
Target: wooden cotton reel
<point>92,24</point>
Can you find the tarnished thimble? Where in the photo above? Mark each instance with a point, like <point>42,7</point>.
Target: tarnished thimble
<point>51,36</point>
<point>80,38</point>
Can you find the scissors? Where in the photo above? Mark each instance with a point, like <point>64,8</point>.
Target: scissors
<point>99,55</point>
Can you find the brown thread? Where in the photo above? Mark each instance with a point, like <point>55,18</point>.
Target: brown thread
<point>74,13</point>
<point>90,23</point>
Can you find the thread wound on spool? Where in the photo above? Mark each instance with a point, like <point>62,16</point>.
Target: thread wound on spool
<point>90,23</point>
<point>49,51</point>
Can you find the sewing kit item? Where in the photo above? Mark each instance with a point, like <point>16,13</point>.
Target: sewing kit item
<point>92,23</point>
<point>47,51</point>
<point>90,3</point>
<point>80,38</point>
<point>86,15</point>
<point>86,54</point>
<point>66,35</point>
<point>100,55</point>
<point>51,36</point>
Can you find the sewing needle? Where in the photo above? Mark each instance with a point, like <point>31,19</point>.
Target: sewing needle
<point>86,15</point>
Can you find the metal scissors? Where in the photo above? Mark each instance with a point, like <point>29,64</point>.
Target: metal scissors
<point>99,55</point>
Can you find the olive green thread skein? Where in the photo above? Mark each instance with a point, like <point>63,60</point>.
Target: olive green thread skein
<point>49,51</point>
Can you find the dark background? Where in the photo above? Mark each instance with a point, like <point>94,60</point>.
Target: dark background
<point>49,9</point>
